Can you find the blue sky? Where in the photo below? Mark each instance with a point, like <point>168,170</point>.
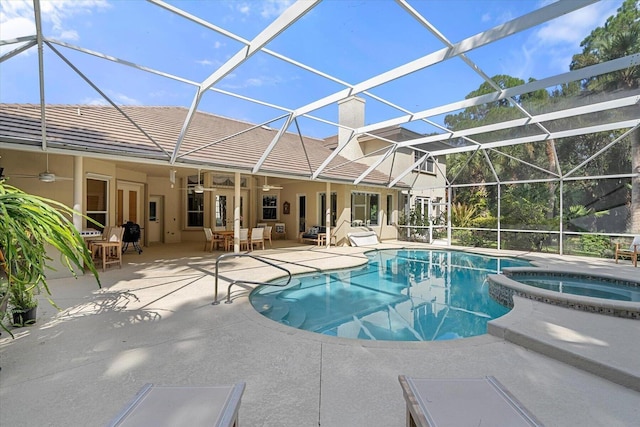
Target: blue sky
<point>350,40</point>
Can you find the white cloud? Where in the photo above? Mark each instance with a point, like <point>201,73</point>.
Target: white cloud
<point>16,17</point>
<point>486,17</point>
<point>572,28</point>
<point>244,8</point>
<point>274,8</point>
<point>259,81</point>
<point>93,101</point>
<point>122,99</point>
<point>204,62</point>
<point>555,42</point>
<point>118,98</point>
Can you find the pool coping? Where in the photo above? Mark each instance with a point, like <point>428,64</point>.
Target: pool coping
<point>502,288</point>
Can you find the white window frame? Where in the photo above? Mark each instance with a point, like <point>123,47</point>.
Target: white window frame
<point>275,208</point>
<point>191,193</point>
<point>428,166</point>
<point>367,208</point>
<point>106,211</point>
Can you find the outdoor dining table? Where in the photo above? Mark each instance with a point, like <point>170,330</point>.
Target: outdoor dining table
<point>227,235</point>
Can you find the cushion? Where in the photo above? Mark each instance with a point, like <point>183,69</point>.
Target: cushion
<point>313,230</point>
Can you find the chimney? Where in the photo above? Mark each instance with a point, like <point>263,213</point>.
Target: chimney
<point>351,114</point>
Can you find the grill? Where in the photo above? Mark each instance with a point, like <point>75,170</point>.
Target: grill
<point>131,235</point>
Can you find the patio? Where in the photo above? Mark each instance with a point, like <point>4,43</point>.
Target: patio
<point>153,322</point>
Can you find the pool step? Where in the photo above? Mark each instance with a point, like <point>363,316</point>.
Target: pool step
<point>592,342</point>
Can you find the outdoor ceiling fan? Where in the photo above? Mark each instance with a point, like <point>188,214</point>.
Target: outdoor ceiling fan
<point>46,176</point>
<point>267,187</point>
<point>198,188</point>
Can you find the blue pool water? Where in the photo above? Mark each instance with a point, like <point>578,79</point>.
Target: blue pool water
<point>399,295</point>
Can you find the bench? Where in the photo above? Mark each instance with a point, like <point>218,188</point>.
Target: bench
<point>317,235</point>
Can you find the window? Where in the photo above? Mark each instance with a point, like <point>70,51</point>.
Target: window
<point>227,181</point>
<point>389,208</point>
<point>97,196</point>
<point>323,209</point>
<point>364,208</point>
<point>221,210</point>
<point>195,203</point>
<point>427,166</point>
<point>269,207</point>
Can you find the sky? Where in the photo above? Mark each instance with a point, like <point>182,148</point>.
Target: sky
<point>351,41</point>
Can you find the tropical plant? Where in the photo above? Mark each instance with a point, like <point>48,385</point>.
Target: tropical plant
<point>28,224</point>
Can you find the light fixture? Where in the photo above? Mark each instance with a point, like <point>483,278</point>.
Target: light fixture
<point>47,177</point>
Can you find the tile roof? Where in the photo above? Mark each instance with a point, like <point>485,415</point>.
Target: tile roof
<point>211,140</point>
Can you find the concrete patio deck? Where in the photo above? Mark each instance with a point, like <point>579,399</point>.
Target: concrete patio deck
<point>153,322</point>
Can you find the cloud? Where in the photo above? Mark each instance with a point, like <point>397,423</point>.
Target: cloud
<point>274,8</point>
<point>259,81</point>
<point>555,42</point>
<point>267,9</point>
<point>17,20</point>
<point>118,98</point>
<point>204,62</point>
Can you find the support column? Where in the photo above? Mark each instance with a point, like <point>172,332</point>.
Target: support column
<point>327,219</point>
<point>236,213</point>
<point>78,183</point>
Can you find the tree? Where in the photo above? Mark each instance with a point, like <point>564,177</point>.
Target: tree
<point>619,37</point>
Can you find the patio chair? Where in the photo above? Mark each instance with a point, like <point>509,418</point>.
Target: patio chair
<point>194,406</point>
<point>103,237</point>
<point>267,235</point>
<point>257,237</point>
<point>633,252</point>
<point>109,251</point>
<point>244,238</point>
<point>462,402</point>
<point>208,239</point>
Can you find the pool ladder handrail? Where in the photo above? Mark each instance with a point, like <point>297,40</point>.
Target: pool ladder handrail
<point>251,282</point>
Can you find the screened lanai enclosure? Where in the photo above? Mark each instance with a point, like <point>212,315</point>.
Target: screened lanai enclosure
<point>522,117</point>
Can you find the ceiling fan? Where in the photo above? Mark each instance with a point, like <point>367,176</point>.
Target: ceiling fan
<point>267,187</point>
<point>198,188</point>
<point>46,176</point>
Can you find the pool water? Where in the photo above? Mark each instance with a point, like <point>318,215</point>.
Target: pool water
<point>399,295</point>
<point>583,286</point>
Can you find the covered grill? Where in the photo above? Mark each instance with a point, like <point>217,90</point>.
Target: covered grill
<point>131,235</point>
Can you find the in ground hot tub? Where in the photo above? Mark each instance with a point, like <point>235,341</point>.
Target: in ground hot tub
<point>598,293</point>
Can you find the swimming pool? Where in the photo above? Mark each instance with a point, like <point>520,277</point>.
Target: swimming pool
<point>399,295</point>
<point>593,292</point>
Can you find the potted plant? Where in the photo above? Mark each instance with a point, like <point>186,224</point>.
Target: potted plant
<point>28,224</point>
<point>23,304</point>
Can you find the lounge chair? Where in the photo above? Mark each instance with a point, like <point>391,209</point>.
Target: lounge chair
<point>462,402</point>
<point>633,252</point>
<point>363,238</point>
<point>160,406</point>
